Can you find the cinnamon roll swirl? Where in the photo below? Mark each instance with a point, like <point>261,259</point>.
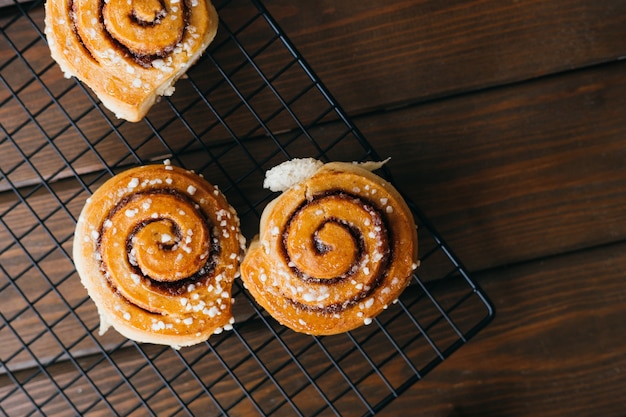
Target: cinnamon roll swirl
<point>334,249</point>
<point>157,248</point>
<point>129,52</point>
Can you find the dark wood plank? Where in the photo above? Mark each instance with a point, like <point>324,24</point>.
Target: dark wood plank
<point>374,54</point>
<point>555,348</point>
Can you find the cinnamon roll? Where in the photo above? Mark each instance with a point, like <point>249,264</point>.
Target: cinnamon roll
<point>334,249</point>
<point>157,248</point>
<point>129,52</point>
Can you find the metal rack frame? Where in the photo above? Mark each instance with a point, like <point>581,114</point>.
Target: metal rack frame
<point>233,117</point>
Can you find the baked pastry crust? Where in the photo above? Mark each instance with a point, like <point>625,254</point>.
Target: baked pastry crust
<point>157,248</point>
<point>129,53</point>
<point>333,251</point>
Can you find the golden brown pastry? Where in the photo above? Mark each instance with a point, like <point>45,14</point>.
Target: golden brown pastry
<point>334,249</point>
<point>157,248</point>
<point>129,52</point>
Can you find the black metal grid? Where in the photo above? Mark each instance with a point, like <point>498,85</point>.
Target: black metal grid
<point>250,103</point>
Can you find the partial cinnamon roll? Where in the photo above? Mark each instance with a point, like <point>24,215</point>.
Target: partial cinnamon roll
<point>157,248</point>
<point>334,249</point>
<point>129,52</point>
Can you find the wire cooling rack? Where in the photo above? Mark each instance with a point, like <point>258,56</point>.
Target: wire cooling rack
<point>250,103</point>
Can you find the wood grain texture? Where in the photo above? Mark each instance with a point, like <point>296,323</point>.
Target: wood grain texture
<point>505,124</point>
<point>556,347</point>
<point>375,55</point>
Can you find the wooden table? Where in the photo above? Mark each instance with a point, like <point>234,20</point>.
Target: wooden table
<point>505,122</point>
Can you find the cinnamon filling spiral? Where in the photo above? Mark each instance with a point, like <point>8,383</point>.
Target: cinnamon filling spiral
<point>334,250</point>
<point>144,31</point>
<point>158,248</point>
<point>165,252</point>
<point>344,246</point>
